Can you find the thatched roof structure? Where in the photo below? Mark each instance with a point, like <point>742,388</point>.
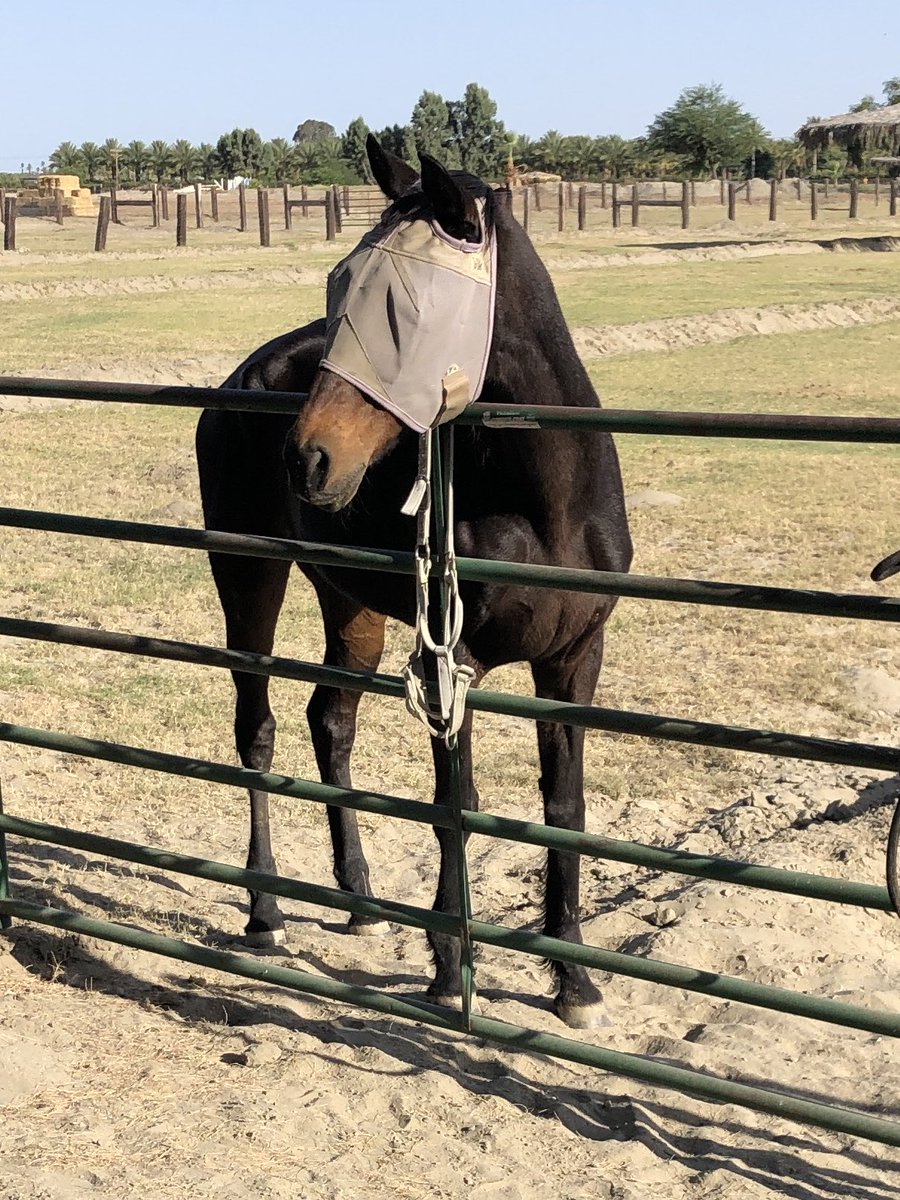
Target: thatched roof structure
<point>872,129</point>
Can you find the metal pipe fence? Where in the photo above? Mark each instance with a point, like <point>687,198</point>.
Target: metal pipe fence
<point>865,430</point>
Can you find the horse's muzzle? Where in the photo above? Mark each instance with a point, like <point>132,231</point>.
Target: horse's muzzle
<point>309,474</point>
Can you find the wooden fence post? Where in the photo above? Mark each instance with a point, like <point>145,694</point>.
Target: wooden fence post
<point>854,197</point>
<point>685,205</point>
<point>2,206</point>
<point>198,205</point>
<point>877,190</point>
<point>304,196</point>
<point>181,219</point>
<point>9,223</point>
<point>154,206</point>
<point>242,206</point>
<point>114,207</point>
<point>164,197</point>
<point>722,191</point>
<point>582,206</point>
<point>214,203</point>
<point>813,201</point>
<point>561,223</point>
<point>537,197</point>
<point>615,206</point>
<point>330,222</point>
<point>286,192</point>
<point>603,193</point>
<point>570,195</point>
<point>893,208</point>
<point>526,204</point>
<point>58,208</point>
<point>732,199</point>
<point>693,193</point>
<point>635,206</point>
<point>262,204</point>
<point>773,199</point>
<point>102,223</point>
<point>338,223</point>
<point>347,199</point>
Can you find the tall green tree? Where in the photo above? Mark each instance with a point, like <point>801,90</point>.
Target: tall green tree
<point>549,152</point>
<point>891,89</point>
<point>282,160</point>
<point>480,135</point>
<point>241,152</point>
<point>707,129</point>
<point>208,164</point>
<point>432,128</point>
<point>399,140</point>
<point>313,131</point>
<point>353,149</point>
<point>66,159</point>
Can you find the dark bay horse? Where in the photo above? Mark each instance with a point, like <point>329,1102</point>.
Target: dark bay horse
<point>341,472</point>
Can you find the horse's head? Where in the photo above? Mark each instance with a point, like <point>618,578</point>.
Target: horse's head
<point>405,307</point>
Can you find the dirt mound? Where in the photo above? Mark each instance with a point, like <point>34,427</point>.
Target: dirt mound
<point>861,245</point>
<point>64,289</point>
<point>679,333</point>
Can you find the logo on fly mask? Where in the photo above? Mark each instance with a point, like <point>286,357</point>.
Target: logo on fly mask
<point>410,314</point>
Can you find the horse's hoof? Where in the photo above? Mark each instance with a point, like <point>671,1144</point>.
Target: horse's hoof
<point>584,1016</point>
<point>265,939</point>
<point>368,928</point>
<point>453,1000</point>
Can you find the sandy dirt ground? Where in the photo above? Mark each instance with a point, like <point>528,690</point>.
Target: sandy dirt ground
<point>125,1075</point>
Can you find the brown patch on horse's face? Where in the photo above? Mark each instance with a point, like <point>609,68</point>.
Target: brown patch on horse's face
<point>337,436</point>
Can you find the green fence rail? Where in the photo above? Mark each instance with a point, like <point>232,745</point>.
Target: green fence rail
<point>825,604</point>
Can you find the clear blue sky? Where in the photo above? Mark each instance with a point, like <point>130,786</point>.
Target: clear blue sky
<point>196,68</point>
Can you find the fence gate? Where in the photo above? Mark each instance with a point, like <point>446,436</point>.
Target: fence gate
<point>469,930</point>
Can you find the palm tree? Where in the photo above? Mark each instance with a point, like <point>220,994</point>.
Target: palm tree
<point>208,162</point>
<point>615,153</point>
<point>282,160</point>
<point>66,159</point>
<point>136,158</point>
<point>549,151</point>
<point>577,154</point>
<point>159,159</point>
<point>92,157</point>
<point>184,159</point>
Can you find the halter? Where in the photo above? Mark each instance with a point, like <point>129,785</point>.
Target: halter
<point>410,318</point>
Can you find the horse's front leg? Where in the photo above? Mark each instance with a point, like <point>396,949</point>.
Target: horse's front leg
<point>561,749</point>
<point>354,637</point>
<point>445,949</point>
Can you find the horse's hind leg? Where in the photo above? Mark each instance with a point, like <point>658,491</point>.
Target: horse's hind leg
<point>252,591</point>
<point>354,637</point>
<point>561,749</point>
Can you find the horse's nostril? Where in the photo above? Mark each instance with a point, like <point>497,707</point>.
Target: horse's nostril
<point>307,467</point>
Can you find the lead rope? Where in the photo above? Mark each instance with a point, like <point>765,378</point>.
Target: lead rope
<point>439,704</point>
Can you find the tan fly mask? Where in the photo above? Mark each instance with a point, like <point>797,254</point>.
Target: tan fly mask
<point>410,314</point>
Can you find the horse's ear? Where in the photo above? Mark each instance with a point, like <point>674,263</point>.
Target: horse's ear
<point>391,173</point>
<point>451,204</point>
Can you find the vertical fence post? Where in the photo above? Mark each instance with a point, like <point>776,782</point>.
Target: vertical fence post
<point>102,223</point>
<point>813,201</point>
<point>347,199</point>
<point>338,223</point>
<point>570,195</point>
<point>893,208</point>
<point>58,207</point>
<point>854,197</point>
<point>262,204</point>
<point>877,190</point>
<point>164,197</point>
<point>2,206</point>
<point>635,206</point>
<point>582,206</point>
<point>154,206</point>
<point>685,205</point>
<point>615,206</point>
<point>732,199</point>
<point>214,203</point>
<point>603,193</point>
<point>693,193</point>
<point>304,196</point>
<point>561,208</point>
<point>198,205</point>
<point>114,207</point>
<point>242,206</point>
<point>330,222</point>
<point>5,919</point>
<point>181,219</point>
<point>722,190</point>
<point>526,205</point>
<point>286,192</point>
<point>537,197</point>
<point>773,199</point>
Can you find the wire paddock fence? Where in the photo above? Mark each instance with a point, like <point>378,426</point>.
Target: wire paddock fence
<point>470,930</point>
